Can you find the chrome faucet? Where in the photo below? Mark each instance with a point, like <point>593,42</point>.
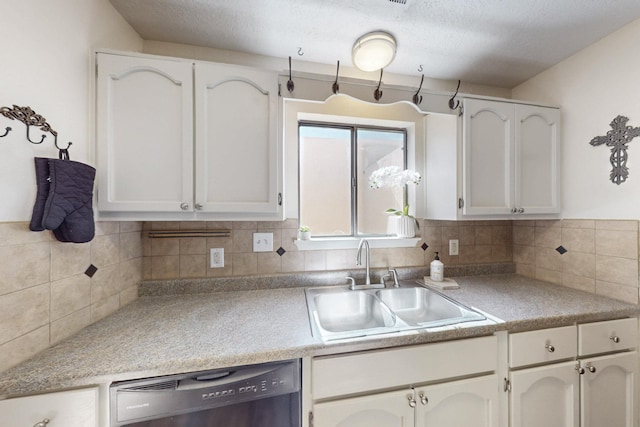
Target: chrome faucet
<point>364,243</point>
<point>393,274</point>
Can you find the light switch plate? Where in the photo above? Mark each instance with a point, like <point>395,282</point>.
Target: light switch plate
<point>262,242</point>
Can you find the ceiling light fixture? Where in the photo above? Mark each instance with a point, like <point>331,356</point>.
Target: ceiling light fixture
<point>374,51</point>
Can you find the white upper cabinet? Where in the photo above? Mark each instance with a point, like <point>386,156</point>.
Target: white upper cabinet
<point>236,139</point>
<point>488,153</point>
<point>178,140</point>
<point>144,134</point>
<point>499,161</point>
<point>510,159</point>
<point>537,149</point>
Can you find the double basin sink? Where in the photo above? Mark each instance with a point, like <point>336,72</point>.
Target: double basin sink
<point>337,312</point>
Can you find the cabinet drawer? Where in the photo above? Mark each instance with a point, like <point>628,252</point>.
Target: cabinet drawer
<point>75,408</point>
<point>545,345</point>
<point>383,369</point>
<point>604,337</point>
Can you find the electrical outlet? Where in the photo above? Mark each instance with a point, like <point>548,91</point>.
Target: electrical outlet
<point>262,242</point>
<point>216,257</point>
<point>453,247</point>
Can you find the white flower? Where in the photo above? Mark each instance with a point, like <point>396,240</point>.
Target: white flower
<point>393,176</point>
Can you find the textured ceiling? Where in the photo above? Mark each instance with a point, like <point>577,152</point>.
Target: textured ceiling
<point>493,42</point>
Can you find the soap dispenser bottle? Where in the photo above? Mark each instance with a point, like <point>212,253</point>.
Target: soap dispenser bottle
<point>437,269</point>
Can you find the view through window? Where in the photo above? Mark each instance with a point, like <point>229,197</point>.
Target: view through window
<point>335,163</point>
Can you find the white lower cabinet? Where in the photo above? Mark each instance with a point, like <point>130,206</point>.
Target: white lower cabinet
<point>390,409</point>
<point>464,403</point>
<point>584,390</point>
<point>472,402</point>
<point>608,391</point>
<point>449,384</point>
<point>74,408</point>
<point>545,396</point>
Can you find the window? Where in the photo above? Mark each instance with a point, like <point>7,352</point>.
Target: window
<point>335,162</point>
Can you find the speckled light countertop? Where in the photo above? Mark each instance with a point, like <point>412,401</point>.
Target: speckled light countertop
<point>161,335</point>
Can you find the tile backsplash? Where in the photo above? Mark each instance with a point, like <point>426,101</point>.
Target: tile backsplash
<point>50,290</point>
<point>480,242</point>
<point>596,256</point>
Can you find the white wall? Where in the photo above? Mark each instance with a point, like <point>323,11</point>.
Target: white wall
<point>300,67</point>
<point>47,64</point>
<point>592,88</point>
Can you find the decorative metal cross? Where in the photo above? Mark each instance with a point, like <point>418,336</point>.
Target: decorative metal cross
<point>618,138</point>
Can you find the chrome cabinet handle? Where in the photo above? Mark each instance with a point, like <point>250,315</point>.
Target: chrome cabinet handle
<point>550,348</point>
<point>42,423</point>
<point>514,210</point>
<point>580,369</point>
<point>184,206</point>
<point>199,206</point>
<point>423,399</point>
<point>591,368</point>
<point>412,401</point>
<point>615,339</point>
<point>521,210</point>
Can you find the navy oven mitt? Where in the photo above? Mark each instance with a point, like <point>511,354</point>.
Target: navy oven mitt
<point>64,200</point>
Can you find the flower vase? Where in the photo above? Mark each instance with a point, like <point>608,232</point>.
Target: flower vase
<point>402,226</point>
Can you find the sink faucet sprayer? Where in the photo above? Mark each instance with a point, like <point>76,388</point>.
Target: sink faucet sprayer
<point>364,243</point>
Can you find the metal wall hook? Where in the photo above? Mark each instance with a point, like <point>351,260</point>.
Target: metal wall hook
<point>29,117</point>
<point>290,84</point>
<point>377,94</point>
<point>6,132</point>
<point>34,142</point>
<point>336,86</point>
<point>417,98</point>
<point>300,52</point>
<point>420,69</point>
<point>453,103</point>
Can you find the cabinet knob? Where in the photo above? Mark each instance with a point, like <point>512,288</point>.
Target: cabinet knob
<point>42,423</point>
<point>550,348</point>
<point>184,206</point>
<point>615,339</point>
<point>521,210</point>
<point>412,401</point>
<point>591,368</point>
<point>580,369</point>
<point>514,210</point>
<point>199,206</point>
<point>423,399</point>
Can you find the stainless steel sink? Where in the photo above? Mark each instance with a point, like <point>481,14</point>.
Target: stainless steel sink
<point>351,310</point>
<point>426,308</point>
<point>337,313</point>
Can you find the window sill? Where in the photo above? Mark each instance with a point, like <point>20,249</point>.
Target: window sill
<point>322,243</point>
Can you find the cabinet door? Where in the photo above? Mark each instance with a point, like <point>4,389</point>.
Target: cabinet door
<point>391,409</point>
<point>465,403</point>
<point>609,391</point>
<point>237,151</point>
<point>537,151</point>
<point>545,396</point>
<point>77,408</point>
<point>144,134</point>
<point>488,134</point>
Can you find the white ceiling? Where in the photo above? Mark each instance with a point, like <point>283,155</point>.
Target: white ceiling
<point>493,42</point>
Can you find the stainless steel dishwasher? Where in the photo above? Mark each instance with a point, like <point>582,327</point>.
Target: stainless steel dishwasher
<point>265,395</point>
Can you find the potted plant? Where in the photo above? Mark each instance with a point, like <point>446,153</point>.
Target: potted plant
<point>402,224</point>
<point>304,232</point>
